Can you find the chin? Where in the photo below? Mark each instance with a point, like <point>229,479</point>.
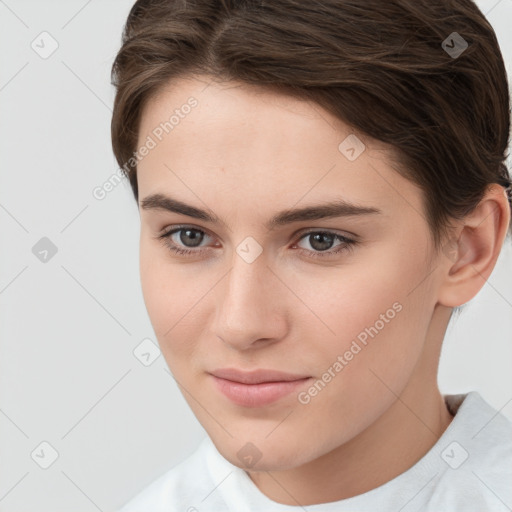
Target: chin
<point>264,455</point>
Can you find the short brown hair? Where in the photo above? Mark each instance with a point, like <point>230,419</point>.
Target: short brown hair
<point>382,67</point>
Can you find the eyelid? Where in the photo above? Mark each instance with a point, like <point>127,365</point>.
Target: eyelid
<point>343,234</point>
<point>177,227</point>
<point>301,232</point>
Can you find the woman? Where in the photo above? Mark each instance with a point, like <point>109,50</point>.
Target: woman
<point>321,184</point>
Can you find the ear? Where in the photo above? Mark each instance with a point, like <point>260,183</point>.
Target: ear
<point>470,256</point>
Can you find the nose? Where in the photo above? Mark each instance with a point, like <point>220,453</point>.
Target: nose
<point>250,310</point>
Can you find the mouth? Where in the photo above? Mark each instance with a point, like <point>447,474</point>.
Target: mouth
<point>256,389</point>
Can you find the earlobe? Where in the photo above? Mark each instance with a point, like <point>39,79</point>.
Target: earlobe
<point>473,254</point>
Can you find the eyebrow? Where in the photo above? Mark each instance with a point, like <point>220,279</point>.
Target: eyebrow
<point>336,208</point>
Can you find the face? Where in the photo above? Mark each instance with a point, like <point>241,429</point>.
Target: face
<point>343,300</point>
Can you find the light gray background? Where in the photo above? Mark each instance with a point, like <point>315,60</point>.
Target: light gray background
<point>68,329</point>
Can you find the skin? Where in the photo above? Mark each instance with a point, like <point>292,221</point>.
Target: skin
<point>246,153</point>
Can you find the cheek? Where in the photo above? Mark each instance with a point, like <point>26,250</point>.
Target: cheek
<point>376,334</point>
<point>173,301</point>
<point>155,288</point>
<point>362,311</point>
<point>354,301</point>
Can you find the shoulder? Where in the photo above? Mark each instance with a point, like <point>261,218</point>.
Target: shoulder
<point>476,457</point>
<point>179,487</point>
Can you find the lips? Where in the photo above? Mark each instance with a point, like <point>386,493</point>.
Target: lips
<point>256,376</point>
<point>257,388</point>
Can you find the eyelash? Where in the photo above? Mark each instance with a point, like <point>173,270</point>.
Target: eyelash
<point>347,243</point>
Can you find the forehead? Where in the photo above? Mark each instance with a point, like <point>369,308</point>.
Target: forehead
<point>268,146</point>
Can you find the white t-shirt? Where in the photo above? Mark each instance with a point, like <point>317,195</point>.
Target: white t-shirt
<point>469,469</point>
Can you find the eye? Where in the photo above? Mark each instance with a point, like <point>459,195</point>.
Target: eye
<point>189,235</point>
<point>189,238</point>
<point>321,242</point>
